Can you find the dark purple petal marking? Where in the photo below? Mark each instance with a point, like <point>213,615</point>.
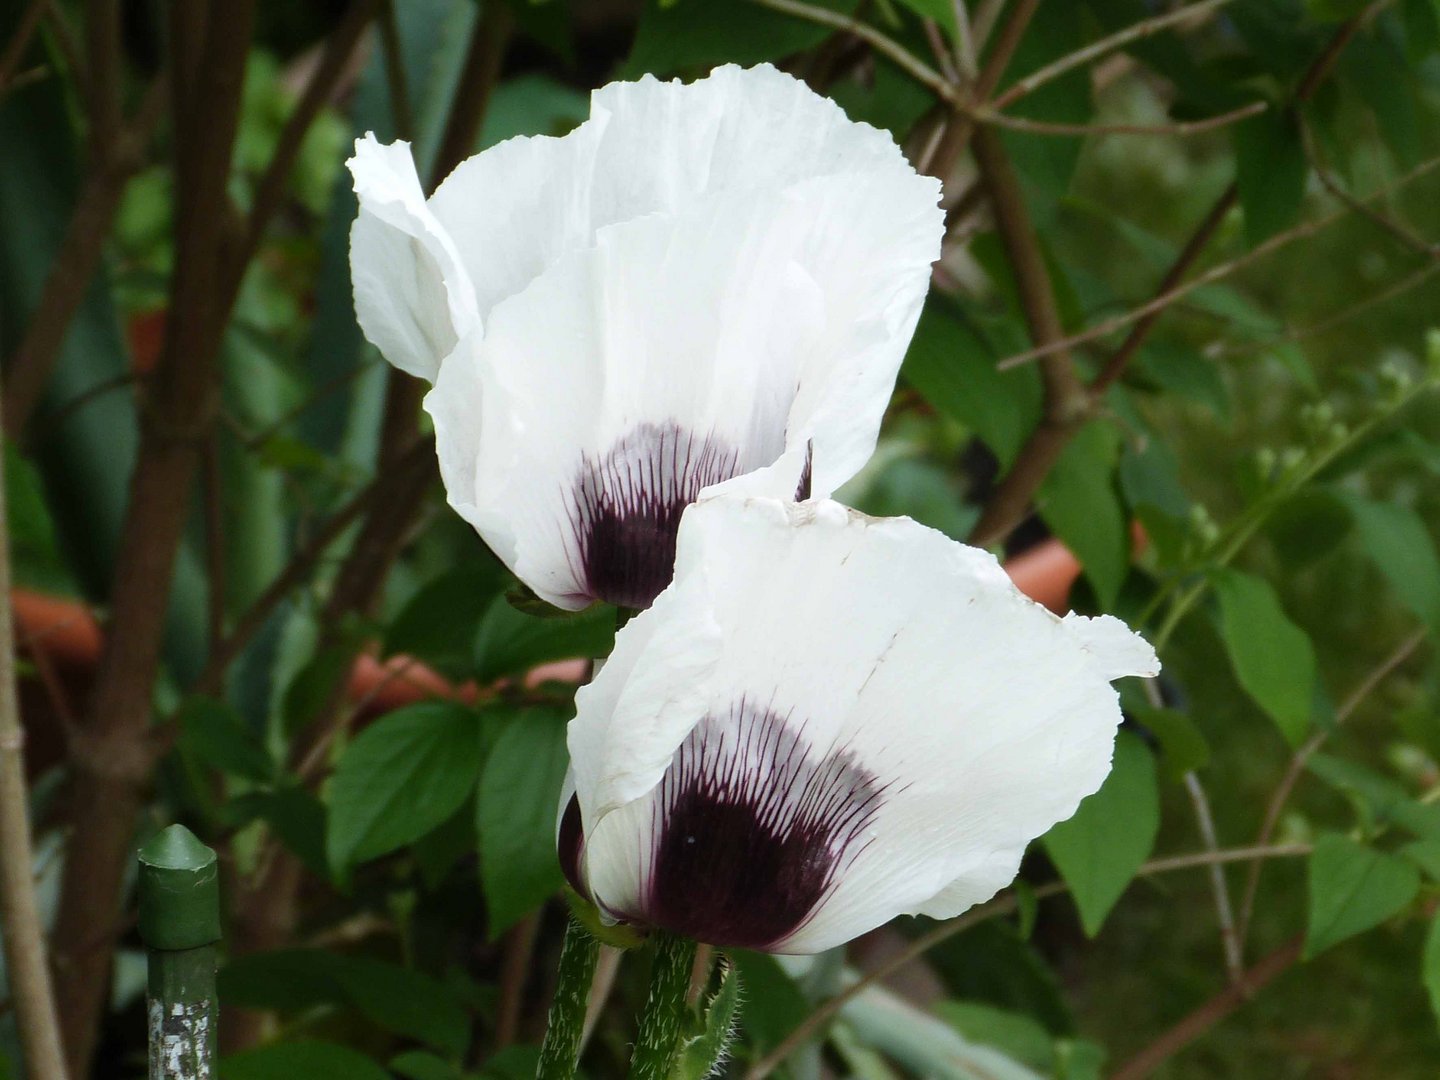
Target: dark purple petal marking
<point>626,505</point>
<point>753,829</point>
<point>803,488</point>
<point>568,845</point>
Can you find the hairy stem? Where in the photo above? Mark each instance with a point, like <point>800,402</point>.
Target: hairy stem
<point>566,1025</point>
<point>659,1032</point>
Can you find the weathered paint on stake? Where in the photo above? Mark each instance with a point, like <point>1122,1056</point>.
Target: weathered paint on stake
<point>180,924</point>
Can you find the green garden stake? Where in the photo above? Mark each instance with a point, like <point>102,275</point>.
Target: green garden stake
<point>180,924</point>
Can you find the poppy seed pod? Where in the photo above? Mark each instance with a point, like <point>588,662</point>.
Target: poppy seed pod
<point>828,720</point>
<point>695,289</point>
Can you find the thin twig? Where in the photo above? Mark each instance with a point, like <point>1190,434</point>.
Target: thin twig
<point>986,115</point>
<point>1212,1012</point>
<point>941,51</point>
<point>1281,795</point>
<point>880,42</point>
<point>20,41</point>
<point>1066,402</point>
<point>303,562</point>
<point>270,191</point>
<point>1001,905</point>
<point>1170,296</point>
<point>1317,162</point>
<point>1069,62</point>
<point>27,970</point>
<point>965,52</point>
<point>514,969</point>
<point>1224,913</point>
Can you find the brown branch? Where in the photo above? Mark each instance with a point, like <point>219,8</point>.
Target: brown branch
<point>113,753</point>
<point>514,970</point>
<point>1066,404</point>
<point>1212,1012</point>
<point>75,263</point>
<point>1296,768</point>
<point>270,191</point>
<point>102,75</point>
<point>20,41</point>
<point>1143,29</point>
<point>21,932</point>
<point>1189,255</point>
<point>1170,296</point>
<point>472,96</point>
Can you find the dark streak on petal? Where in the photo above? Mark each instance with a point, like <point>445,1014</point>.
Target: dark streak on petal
<point>626,507</point>
<point>569,844</point>
<point>802,489</point>
<point>753,830</point>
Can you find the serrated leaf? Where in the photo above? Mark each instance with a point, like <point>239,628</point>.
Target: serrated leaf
<point>400,778</point>
<point>312,1060</point>
<point>1183,748</point>
<point>702,1055</point>
<point>1401,546</point>
<point>510,642</point>
<point>1099,849</point>
<point>215,733</point>
<point>1270,169</point>
<point>1353,888</point>
<point>515,815</point>
<point>1079,502</point>
<point>439,623</point>
<point>942,11</point>
<point>1430,965</point>
<point>953,367</point>
<point>1272,657</point>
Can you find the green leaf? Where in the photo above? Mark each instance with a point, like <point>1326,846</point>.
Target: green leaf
<point>942,11</point>
<point>1183,748</point>
<point>1307,526</point>
<point>510,642</point>
<point>774,1004</point>
<point>400,778</point>
<point>296,816</point>
<point>1402,548</point>
<point>1270,169</point>
<point>1353,888</point>
<point>1430,965</point>
<point>1426,855</point>
<point>405,1001</point>
<point>1099,849</point>
<point>710,32</point>
<point>1079,503</point>
<point>214,733</point>
<point>1422,28</point>
<point>515,815</point>
<point>1381,801</point>
<point>312,1060</point>
<point>953,367</point>
<point>701,1056</point>
<point>994,964</point>
<point>1272,657</point>
<point>422,1065</point>
<point>439,623</point>
<point>397,999</point>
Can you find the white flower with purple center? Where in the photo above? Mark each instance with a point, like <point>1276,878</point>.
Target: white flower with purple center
<point>828,720</point>
<point>703,284</point>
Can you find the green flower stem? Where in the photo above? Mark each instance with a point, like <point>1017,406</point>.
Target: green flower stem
<point>567,1012</point>
<point>665,1008</point>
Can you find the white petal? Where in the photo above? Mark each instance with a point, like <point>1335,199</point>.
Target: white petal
<point>648,147</point>
<point>413,298</point>
<point>1113,647</point>
<point>967,718</point>
<point>756,325</point>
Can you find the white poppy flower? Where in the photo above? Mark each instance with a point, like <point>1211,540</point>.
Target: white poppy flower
<point>828,720</point>
<point>700,283</point>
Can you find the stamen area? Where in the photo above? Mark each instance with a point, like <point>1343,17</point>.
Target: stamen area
<point>626,504</point>
<point>752,829</point>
